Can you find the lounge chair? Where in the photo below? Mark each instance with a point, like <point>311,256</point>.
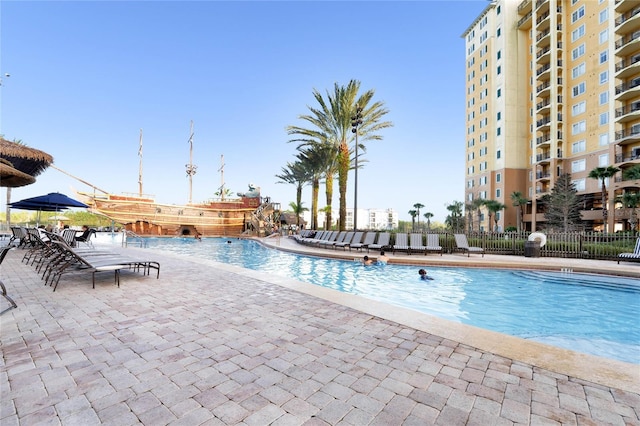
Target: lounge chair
<point>369,239</point>
<point>416,245</point>
<point>3,289</point>
<point>345,241</point>
<point>382,243</point>
<point>337,237</point>
<point>18,237</point>
<point>357,239</point>
<point>401,243</point>
<point>463,244</point>
<point>631,256</point>
<point>329,236</point>
<point>433,243</point>
<point>317,237</point>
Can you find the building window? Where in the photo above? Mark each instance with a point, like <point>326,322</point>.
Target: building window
<point>604,15</point>
<point>604,98</point>
<point>499,93</point>
<point>604,36</point>
<point>604,118</point>
<point>498,10</point>
<point>498,132</point>
<point>499,69</point>
<point>498,32</point>
<point>579,146</point>
<point>579,108</point>
<point>579,89</point>
<point>604,56</point>
<point>499,54</point>
<point>577,33</point>
<point>604,139</point>
<point>579,183</point>
<point>498,116</point>
<point>579,127</point>
<point>498,194</point>
<point>578,166</point>
<point>483,180</point>
<point>603,160</point>
<point>577,52</point>
<point>577,14</point>
<point>604,77</point>
<point>498,177</point>
<point>579,70</point>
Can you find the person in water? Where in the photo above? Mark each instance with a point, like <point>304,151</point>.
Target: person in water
<point>383,257</point>
<point>423,275</point>
<point>367,261</point>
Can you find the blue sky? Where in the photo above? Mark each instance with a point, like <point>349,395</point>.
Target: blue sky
<point>87,76</point>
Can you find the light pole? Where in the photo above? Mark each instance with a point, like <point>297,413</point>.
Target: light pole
<point>356,121</point>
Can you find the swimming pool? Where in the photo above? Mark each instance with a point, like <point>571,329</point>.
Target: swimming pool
<point>593,314</point>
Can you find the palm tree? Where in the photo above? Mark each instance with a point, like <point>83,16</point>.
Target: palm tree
<point>332,123</point>
<point>454,219</point>
<point>418,206</point>
<point>602,174</point>
<point>428,217</point>
<point>413,215</point>
<point>298,209</point>
<point>493,207</point>
<point>295,174</point>
<point>474,206</point>
<point>630,200</point>
<point>518,200</point>
<point>314,165</point>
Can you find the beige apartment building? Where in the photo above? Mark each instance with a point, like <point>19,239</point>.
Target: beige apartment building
<point>552,86</point>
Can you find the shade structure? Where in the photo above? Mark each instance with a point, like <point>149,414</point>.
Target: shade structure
<point>11,177</point>
<point>34,206</point>
<point>23,158</point>
<point>53,201</point>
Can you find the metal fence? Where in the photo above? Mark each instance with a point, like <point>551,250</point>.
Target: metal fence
<point>583,245</point>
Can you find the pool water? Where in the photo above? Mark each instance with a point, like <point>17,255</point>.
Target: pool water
<point>592,314</point>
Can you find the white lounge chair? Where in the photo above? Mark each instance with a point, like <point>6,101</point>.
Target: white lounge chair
<point>433,243</point>
<point>401,243</point>
<point>369,238</point>
<point>382,243</point>
<point>463,244</point>
<point>631,256</point>
<point>416,244</point>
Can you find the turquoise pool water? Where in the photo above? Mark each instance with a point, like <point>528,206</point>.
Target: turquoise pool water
<point>594,314</point>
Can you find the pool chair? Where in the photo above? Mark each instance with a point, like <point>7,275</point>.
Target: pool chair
<point>337,237</point>
<point>356,239</point>
<point>3,289</point>
<point>433,243</point>
<point>382,243</point>
<point>416,245</point>
<point>345,241</point>
<point>631,256</point>
<point>369,238</point>
<point>401,243</point>
<point>463,244</point>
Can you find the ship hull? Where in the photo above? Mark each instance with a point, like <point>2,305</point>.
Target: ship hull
<point>143,216</point>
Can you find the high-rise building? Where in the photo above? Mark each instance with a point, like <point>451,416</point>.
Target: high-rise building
<point>552,87</point>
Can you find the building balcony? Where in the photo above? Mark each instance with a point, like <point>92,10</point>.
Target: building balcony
<point>543,22</point>
<point>543,122</point>
<point>545,176</point>
<point>627,136</point>
<point>628,67</point>
<point>540,4</point>
<point>629,157</point>
<point>628,22</point>
<point>543,69</point>
<point>628,90</point>
<point>544,106</point>
<point>623,6</point>
<point>618,183</point>
<point>545,52</point>
<point>628,113</point>
<point>543,88</point>
<point>628,44</point>
<point>542,141</point>
<point>525,22</point>
<point>543,158</point>
<point>543,35</point>
<point>524,7</point>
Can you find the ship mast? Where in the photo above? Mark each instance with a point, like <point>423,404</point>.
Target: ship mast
<point>140,167</point>
<point>221,170</point>
<point>191,168</point>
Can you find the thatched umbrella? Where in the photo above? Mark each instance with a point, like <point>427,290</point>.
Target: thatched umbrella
<point>28,160</point>
<point>10,177</point>
<point>24,159</point>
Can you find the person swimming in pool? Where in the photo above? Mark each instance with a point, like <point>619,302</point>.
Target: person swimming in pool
<point>423,275</point>
<point>367,261</point>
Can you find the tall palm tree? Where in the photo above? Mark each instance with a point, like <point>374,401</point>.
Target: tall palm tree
<point>454,219</point>
<point>332,123</point>
<point>418,206</point>
<point>298,209</point>
<point>296,174</point>
<point>493,207</point>
<point>313,162</point>
<point>413,215</point>
<point>631,200</point>
<point>602,174</point>
<point>428,216</point>
<point>518,200</point>
<point>474,206</point>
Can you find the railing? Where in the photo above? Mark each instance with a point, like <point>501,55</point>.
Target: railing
<point>627,109</point>
<point>623,18</point>
<point>131,238</point>
<point>627,63</point>
<point>582,245</point>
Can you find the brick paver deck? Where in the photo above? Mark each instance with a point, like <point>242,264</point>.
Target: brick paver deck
<point>213,345</point>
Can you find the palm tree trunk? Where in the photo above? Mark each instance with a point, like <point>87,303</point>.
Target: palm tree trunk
<point>604,206</point>
<point>299,204</point>
<point>315,190</point>
<point>343,172</point>
<point>329,197</point>
<point>8,206</point>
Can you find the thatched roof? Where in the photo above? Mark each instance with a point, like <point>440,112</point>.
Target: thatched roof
<point>25,159</point>
<point>12,178</point>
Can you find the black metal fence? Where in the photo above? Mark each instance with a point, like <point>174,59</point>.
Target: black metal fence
<point>583,245</point>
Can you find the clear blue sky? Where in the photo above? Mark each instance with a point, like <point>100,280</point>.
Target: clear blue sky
<point>87,76</point>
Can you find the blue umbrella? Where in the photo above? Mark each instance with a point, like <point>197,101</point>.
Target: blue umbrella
<point>53,201</point>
